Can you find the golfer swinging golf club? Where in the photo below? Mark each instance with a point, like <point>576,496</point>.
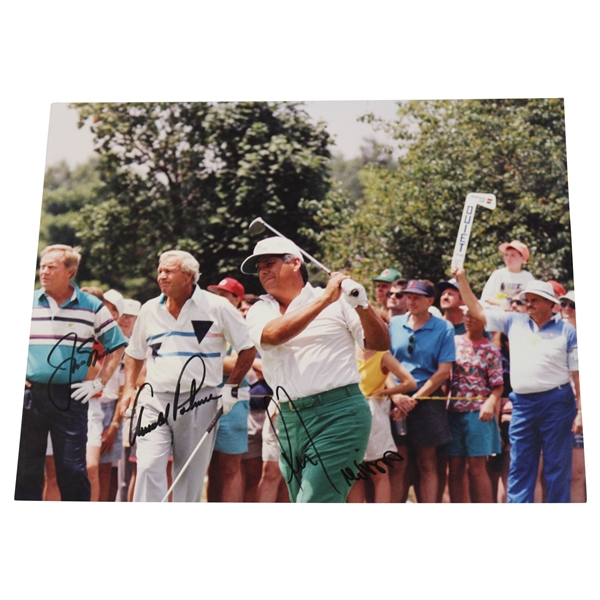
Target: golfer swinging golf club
<point>306,337</point>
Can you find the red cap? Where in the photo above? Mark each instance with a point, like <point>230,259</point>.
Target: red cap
<point>559,290</point>
<point>520,247</point>
<point>229,284</point>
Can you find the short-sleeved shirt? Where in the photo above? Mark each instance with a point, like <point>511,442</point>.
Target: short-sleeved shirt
<point>433,344</point>
<point>320,358</point>
<point>477,369</point>
<point>504,284</point>
<point>540,358</point>
<point>190,348</point>
<point>61,337</point>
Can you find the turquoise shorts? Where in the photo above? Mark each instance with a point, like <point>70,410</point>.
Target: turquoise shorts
<point>471,436</point>
<point>232,434</point>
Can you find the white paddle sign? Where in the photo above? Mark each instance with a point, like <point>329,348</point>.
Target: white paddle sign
<point>466,222</point>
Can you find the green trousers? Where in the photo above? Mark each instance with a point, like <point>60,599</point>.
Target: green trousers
<point>323,439</point>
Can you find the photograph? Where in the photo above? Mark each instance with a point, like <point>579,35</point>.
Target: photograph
<point>398,156</point>
<point>142,386</point>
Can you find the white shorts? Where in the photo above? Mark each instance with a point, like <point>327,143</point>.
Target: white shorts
<point>380,439</point>
<point>270,443</point>
<point>95,423</point>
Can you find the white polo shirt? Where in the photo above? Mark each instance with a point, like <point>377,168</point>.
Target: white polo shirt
<point>320,358</point>
<point>540,358</point>
<point>204,326</point>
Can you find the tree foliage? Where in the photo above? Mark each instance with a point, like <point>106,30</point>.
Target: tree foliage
<point>192,176</point>
<point>66,193</point>
<point>408,217</point>
<point>347,172</point>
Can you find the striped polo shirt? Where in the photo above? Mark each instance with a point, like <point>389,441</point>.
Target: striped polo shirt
<point>60,341</point>
<point>190,348</point>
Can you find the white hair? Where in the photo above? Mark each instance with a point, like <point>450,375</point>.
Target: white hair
<point>188,263</point>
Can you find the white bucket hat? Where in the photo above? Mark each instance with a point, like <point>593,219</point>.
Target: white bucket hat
<point>539,288</point>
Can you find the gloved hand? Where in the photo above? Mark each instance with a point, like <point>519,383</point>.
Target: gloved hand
<point>230,395</point>
<point>354,293</point>
<point>85,390</point>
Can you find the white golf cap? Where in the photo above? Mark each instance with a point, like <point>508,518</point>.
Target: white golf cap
<point>539,288</point>
<point>569,296</point>
<point>132,307</point>
<point>277,246</point>
<point>116,299</point>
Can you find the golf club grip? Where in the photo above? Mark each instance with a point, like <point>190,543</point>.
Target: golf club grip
<point>348,290</point>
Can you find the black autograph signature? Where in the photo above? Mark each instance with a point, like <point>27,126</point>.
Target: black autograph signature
<point>179,408</point>
<point>71,364</point>
<point>297,463</point>
<point>365,469</point>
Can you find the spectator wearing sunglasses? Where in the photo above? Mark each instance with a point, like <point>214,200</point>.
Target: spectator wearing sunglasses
<point>567,306</point>
<point>517,305</point>
<point>396,302</point>
<point>424,344</point>
<point>383,284</point>
<point>559,291</point>
<point>578,484</point>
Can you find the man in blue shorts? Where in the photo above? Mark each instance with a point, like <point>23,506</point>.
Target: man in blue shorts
<point>225,477</point>
<point>424,344</point>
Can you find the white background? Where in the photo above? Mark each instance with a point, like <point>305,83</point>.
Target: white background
<point>126,51</point>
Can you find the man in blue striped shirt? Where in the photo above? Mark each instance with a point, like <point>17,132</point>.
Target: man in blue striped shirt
<point>64,325</point>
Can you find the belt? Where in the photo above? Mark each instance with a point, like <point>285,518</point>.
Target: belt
<point>320,399</point>
<point>50,386</point>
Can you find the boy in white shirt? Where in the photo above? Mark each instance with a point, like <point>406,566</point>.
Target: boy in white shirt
<point>507,281</point>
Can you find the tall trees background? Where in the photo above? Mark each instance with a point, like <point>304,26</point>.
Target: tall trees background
<point>408,216</point>
<point>194,175</point>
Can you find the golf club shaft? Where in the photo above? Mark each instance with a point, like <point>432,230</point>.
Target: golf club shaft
<point>189,460</point>
<point>305,254</point>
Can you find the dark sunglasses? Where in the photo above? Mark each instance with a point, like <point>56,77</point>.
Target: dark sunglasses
<point>565,303</point>
<point>396,295</point>
<point>411,344</point>
<point>517,302</point>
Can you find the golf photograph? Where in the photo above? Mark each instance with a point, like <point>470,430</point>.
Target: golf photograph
<point>304,302</point>
<point>295,297</point>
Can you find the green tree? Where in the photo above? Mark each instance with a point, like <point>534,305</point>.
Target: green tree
<point>409,217</point>
<point>193,176</point>
<point>347,172</point>
<point>66,193</point>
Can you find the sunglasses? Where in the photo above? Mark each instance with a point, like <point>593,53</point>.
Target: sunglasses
<point>517,302</point>
<point>565,303</point>
<point>411,344</point>
<point>396,295</point>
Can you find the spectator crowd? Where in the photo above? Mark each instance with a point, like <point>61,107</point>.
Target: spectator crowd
<point>426,393</point>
